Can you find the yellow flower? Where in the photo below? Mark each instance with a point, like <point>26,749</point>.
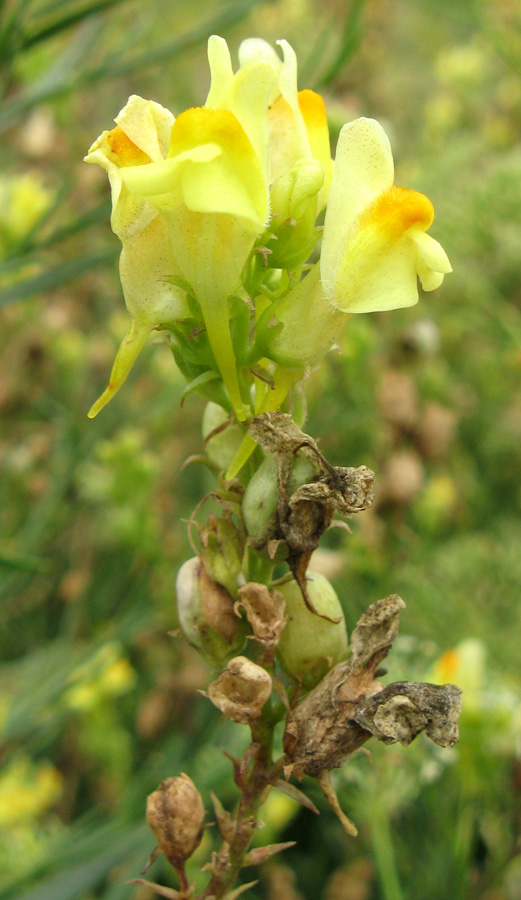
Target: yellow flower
<point>211,193</point>
<point>375,244</point>
<point>290,131</point>
<point>189,200</point>
<point>374,248</point>
<point>27,790</point>
<point>284,125</point>
<point>141,136</point>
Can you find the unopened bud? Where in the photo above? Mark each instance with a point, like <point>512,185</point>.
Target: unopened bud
<point>206,614</point>
<point>222,548</point>
<point>310,644</point>
<point>175,813</point>
<point>293,199</point>
<point>241,691</point>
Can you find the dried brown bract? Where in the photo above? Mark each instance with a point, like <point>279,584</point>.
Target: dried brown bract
<point>241,691</point>
<point>265,612</point>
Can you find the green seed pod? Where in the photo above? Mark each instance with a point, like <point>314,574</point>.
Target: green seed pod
<point>206,615</point>
<point>259,505</point>
<point>310,646</point>
<point>222,447</point>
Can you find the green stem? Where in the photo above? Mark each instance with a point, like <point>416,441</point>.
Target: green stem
<point>216,320</point>
<point>259,566</point>
<point>385,858</point>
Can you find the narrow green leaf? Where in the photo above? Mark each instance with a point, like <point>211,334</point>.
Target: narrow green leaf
<point>51,279</point>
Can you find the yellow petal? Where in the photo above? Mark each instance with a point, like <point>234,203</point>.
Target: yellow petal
<point>397,210</point>
<point>148,125</point>
<point>146,261</point>
<point>248,93</point>
<point>313,110</point>
<point>432,262</point>
<point>364,169</point>
<point>376,274</point>
<point>165,176</point>
<point>221,72</point>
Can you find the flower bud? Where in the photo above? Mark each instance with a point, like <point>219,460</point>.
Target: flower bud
<point>222,446</point>
<point>311,645</point>
<point>175,814</point>
<point>294,209</point>
<point>222,548</point>
<point>206,616</point>
<point>259,505</point>
<point>241,691</point>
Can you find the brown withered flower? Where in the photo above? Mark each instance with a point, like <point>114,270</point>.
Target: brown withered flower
<point>350,705</point>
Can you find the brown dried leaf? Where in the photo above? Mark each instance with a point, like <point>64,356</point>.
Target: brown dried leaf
<point>401,711</point>
<point>324,782</point>
<point>376,629</point>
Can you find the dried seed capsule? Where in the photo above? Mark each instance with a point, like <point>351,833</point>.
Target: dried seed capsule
<point>175,814</point>
<point>311,645</point>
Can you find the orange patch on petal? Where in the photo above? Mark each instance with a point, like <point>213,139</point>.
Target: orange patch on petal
<point>127,152</point>
<point>399,209</point>
<point>313,109</point>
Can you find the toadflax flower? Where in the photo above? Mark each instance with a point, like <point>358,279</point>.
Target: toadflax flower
<point>191,195</point>
<point>142,135</point>
<point>374,248</point>
<point>205,193</point>
<point>375,243</point>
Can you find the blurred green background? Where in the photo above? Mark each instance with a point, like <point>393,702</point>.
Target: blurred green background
<point>97,702</point>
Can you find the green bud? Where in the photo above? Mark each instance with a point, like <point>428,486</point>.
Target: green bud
<point>222,446</point>
<point>310,645</point>
<point>222,549</point>
<point>294,207</point>
<point>259,505</point>
<point>206,615</point>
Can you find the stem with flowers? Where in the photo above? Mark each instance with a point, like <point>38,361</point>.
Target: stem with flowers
<point>217,214</point>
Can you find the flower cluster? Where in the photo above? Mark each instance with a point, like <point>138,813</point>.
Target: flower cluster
<point>216,211</point>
